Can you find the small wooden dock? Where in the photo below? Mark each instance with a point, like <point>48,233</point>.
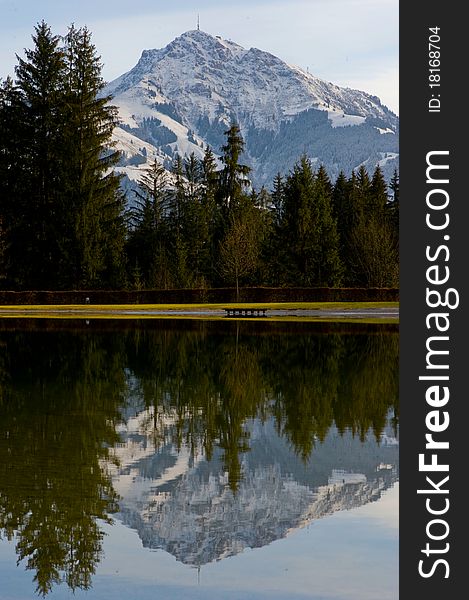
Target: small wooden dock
<point>245,312</point>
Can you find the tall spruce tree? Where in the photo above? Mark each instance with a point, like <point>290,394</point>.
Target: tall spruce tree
<point>275,253</point>
<point>234,175</point>
<point>345,213</point>
<point>373,244</point>
<point>329,267</point>
<point>148,244</point>
<point>309,228</point>
<point>40,80</point>
<point>198,222</point>
<point>178,215</point>
<point>15,184</point>
<point>297,223</point>
<point>91,205</point>
<point>378,191</point>
<point>210,212</point>
<point>362,189</point>
<point>278,199</point>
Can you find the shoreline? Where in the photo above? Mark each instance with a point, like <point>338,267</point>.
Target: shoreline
<point>284,311</point>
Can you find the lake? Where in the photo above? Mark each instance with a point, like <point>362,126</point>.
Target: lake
<point>198,459</point>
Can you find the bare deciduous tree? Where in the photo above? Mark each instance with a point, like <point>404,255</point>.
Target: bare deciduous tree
<point>239,251</point>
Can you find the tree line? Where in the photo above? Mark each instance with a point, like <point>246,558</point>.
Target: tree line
<point>65,222</point>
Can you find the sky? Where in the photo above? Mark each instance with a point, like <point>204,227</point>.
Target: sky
<point>352,43</point>
<point>349,555</point>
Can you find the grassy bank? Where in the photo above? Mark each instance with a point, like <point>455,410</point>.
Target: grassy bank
<point>207,306</point>
<point>370,311</point>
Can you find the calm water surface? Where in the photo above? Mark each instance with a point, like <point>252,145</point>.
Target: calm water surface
<point>198,460</point>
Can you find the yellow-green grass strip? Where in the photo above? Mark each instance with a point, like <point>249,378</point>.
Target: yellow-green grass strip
<point>208,311</point>
<point>198,307</point>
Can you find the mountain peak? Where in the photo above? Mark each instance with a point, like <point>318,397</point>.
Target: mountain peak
<point>196,34</point>
<point>198,38</point>
<point>184,96</point>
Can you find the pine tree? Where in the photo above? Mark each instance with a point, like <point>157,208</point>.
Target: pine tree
<point>345,215</point>
<point>362,190</point>
<point>209,172</point>
<point>40,79</point>
<point>378,191</point>
<point>275,252</point>
<point>177,218</point>
<point>278,199</point>
<point>198,222</point>
<point>15,183</point>
<point>234,175</point>
<point>329,267</point>
<point>179,195</point>
<point>210,213</point>
<point>297,223</point>
<point>193,175</point>
<point>372,243</point>
<point>341,205</point>
<point>147,246</point>
<point>92,206</point>
<point>309,228</point>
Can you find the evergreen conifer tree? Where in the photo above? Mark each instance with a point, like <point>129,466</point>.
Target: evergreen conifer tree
<point>40,80</point>
<point>92,205</point>
<point>65,223</point>
<point>210,212</point>
<point>297,223</point>
<point>278,199</point>
<point>345,214</point>
<point>177,219</point>
<point>378,191</point>
<point>309,228</point>
<point>15,184</point>
<point>234,175</point>
<point>197,222</point>
<point>275,252</point>
<point>148,239</point>
<point>373,244</point>
<point>329,267</point>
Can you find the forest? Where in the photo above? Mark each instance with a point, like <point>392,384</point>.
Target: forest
<point>66,224</point>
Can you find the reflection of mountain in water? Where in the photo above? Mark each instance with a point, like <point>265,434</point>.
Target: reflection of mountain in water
<point>230,435</point>
<point>182,503</point>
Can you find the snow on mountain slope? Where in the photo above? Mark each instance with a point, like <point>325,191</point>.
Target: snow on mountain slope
<point>183,97</point>
<point>179,500</point>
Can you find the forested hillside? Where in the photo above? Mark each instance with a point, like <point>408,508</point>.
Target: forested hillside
<point>65,222</point>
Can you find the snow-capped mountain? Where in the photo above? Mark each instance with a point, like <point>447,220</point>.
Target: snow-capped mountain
<point>180,98</point>
<point>180,501</point>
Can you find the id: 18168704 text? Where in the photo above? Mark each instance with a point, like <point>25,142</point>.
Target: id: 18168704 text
<point>434,69</point>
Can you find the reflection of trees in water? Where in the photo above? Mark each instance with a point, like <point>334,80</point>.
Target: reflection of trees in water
<point>351,381</point>
<point>63,393</point>
<point>307,382</point>
<point>59,412</point>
